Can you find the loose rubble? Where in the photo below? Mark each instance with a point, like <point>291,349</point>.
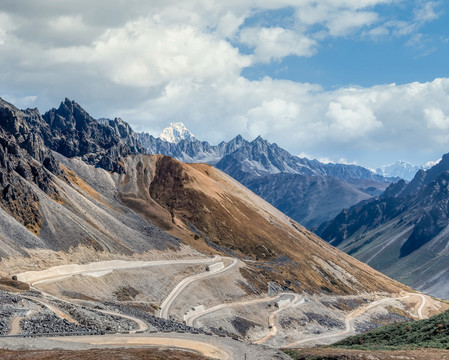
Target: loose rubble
<point>156,323</point>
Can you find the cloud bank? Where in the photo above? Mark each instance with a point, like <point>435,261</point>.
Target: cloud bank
<point>154,62</point>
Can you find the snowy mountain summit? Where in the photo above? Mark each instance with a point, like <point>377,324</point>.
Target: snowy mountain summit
<point>400,169</point>
<point>176,132</point>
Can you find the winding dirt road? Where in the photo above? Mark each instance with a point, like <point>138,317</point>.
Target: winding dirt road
<point>99,268</point>
<point>170,299</point>
<point>15,328</point>
<point>141,324</point>
<point>168,341</point>
<point>271,324</point>
<point>421,307</point>
<point>349,327</point>
<point>191,320</point>
<point>53,308</point>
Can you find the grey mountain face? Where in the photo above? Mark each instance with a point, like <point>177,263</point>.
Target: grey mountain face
<point>71,131</point>
<point>307,190</point>
<point>404,232</point>
<point>313,199</point>
<point>38,206</point>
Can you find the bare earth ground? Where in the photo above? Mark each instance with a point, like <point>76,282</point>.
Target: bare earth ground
<point>342,354</point>
<point>100,354</point>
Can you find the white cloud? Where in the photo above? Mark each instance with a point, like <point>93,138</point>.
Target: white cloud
<point>276,43</point>
<point>350,118</point>
<point>339,18</point>
<point>152,62</point>
<point>229,24</point>
<point>436,118</point>
<point>347,21</point>
<point>6,25</point>
<point>427,11</point>
<point>272,115</point>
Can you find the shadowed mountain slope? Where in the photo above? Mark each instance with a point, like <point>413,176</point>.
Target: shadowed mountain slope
<point>313,199</point>
<point>403,233</point>
<point>44,205</point>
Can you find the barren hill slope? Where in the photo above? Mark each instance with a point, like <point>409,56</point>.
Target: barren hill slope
<point>212,212</point>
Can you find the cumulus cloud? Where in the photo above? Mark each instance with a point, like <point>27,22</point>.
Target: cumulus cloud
<point>436,118</point>
<point>338,18</point>
<point>276,43</point>
<point>349,118</point>
<point>152,62</point>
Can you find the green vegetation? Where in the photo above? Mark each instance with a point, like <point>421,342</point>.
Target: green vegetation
<point>429,333</point>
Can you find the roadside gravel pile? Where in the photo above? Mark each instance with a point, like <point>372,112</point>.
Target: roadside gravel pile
<point>8,302</point>
<point>155,322</point>
<point>51,324</point>
<point>32,293</point>
<point>96,320</point>
<point>5,319</point>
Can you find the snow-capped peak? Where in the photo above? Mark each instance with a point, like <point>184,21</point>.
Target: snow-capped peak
<point>400,169</point>
<point>176,132</point>
<point>430,164</point>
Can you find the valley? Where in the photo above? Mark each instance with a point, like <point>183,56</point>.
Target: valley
<point>103,246</point>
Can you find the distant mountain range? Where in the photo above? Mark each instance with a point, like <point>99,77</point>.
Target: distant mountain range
<point>309,191</point>
<point>404,232</point>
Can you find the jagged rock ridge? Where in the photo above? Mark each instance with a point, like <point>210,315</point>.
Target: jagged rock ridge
<point>36,188</point>
<point>404,232</point>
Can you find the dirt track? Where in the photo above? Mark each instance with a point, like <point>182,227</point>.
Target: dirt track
<point>166,304</point>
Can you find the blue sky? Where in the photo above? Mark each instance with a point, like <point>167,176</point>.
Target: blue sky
<point>359,59</point>
<point>358,81</point>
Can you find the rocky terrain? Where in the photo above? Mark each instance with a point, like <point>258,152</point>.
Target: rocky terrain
<point>403,233</point>
<point>101,238</point>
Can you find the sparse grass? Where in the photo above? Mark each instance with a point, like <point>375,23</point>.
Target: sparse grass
<point>13,285</point>
<point>126,293</point>
<point>428,333</point>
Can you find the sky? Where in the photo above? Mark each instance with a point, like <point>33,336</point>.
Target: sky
<point>356,81</point>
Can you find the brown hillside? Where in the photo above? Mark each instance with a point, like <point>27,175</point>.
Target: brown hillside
<point>212,212</point>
